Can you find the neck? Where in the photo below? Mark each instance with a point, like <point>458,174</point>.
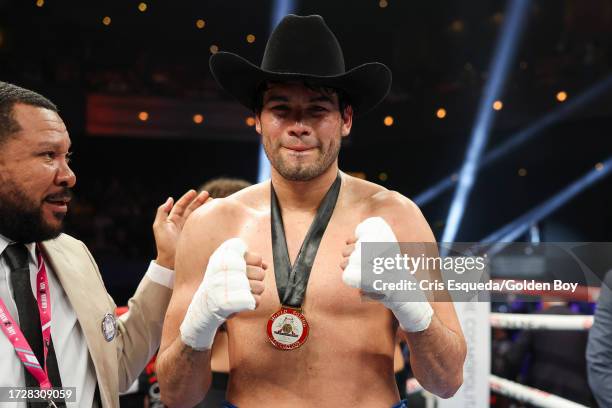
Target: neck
<point>303,195</point>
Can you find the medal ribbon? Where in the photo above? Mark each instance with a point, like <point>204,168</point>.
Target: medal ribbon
<point>13,332</point>
<point>291,281</point>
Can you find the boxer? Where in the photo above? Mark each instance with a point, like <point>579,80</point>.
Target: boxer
<point>279,262</point>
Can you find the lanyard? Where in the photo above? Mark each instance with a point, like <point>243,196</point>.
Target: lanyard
<point>13,332</point>
<point>291,281</point>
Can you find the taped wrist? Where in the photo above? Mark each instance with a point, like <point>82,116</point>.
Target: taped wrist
<point>412,316</point>
<point>200,325</point>
<point>225,290</point>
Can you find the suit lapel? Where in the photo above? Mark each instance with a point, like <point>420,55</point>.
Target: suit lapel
<point>90,302</point>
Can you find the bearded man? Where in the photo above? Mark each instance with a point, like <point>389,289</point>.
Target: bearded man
<point>268,260</point>
<point>58,323</point>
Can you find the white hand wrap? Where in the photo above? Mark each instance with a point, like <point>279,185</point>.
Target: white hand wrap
<point>412,316</point>
<point>224,290</point>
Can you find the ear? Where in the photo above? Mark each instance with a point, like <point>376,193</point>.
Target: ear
<point>347,120</point>
<point>258,123</point>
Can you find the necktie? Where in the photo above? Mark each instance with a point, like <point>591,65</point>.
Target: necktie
<point>16,256</point>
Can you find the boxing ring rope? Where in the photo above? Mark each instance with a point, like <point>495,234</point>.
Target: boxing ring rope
<point>540,321</point>
<point>531,395</point>
<point>549,322</point>
<point>513,390</point>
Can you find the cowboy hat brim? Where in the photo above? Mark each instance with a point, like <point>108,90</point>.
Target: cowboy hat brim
<point>366,85</point>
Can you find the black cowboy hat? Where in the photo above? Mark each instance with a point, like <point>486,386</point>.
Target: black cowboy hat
<point>302,48</point>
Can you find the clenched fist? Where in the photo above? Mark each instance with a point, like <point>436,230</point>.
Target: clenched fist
<point>233,283</point>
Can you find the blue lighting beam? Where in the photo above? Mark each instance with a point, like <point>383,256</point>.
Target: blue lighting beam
<point>511,231</point>
<point>516,15</point>
<point>280,9</point>
<point>522,136</point>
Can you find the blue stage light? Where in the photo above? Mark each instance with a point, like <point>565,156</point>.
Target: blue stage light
<point>517,139</point>
<point>280,9</point>
<point>505,50</point>
<point>502,237</point>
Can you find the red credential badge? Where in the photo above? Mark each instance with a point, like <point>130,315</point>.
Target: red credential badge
<point>287,329</point>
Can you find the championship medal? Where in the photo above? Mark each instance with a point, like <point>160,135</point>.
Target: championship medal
<point>287,328</point>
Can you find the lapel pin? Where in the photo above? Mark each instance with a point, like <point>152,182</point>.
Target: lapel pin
<point>109,327</point>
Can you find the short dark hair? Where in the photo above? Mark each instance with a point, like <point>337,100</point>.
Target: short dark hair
<point>222,187</point>
<point>343,98</point>
<point>10,95</point>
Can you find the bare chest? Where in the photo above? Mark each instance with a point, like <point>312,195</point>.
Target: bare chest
<point>350,341</point>
<point>325,292</point>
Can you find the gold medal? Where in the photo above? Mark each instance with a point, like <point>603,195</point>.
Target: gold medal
<point>287,328</point>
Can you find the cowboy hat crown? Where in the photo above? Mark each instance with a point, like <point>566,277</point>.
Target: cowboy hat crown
<point>302,48</point>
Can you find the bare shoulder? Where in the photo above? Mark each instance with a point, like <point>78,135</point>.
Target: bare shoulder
<point>212,224</point>
<point>203,232</point>
<point>224,216</point>
<point>252,198</point>
<point>374,198</point>
<point>401,213</point>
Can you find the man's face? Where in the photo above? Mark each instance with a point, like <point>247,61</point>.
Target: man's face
<point>301,130</point>
<point>35,178</point>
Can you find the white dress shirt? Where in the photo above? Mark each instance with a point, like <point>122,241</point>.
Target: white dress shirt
<point>73,360</point>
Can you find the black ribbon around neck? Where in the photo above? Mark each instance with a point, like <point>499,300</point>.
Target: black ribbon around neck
<point>291,281</point>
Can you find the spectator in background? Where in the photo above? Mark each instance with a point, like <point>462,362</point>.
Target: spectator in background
<point>556,358</point>
<point>599,348</point>
<point>223,186</point>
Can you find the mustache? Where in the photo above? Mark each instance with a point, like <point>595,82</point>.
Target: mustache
<point>64,195</point>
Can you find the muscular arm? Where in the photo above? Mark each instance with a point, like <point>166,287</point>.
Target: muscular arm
<point>437,354</point>
<point>184,373</point>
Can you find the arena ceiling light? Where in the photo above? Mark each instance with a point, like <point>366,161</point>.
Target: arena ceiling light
<point>521,137</point>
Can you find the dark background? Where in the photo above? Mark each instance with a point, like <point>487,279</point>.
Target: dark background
<point>439,51</point>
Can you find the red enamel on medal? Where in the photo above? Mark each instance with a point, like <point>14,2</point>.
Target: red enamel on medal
<point>287,329</point>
